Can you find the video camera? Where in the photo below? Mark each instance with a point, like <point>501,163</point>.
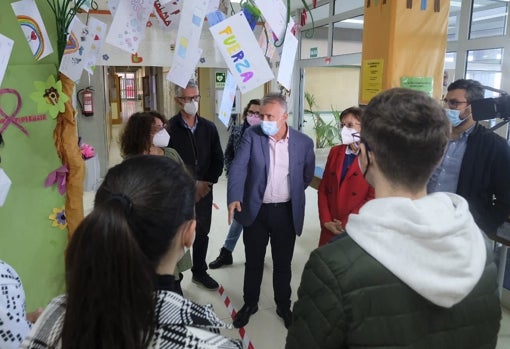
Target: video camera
<point>491,108</point>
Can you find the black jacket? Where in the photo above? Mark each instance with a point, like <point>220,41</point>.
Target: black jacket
<point>484,179</point>
<point>201,151</point>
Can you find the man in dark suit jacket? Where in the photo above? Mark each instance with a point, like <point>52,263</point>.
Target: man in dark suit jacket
<point>197,141</point>
<point>266,190</point>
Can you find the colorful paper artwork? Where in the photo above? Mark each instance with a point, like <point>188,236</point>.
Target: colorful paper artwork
<point>240,50</point>
<point>78,50</point>
<point>187,53</point>
<point>33,28</point>
<point>288,59</point>
<point>6,46</point>
<point>97,34</point>
<point>136,59</point>
<point>227,99</point>
<point>112,5</point>
<point>86,5</point>
<point>49,96</point>
<point>129,22</point>
<point>266,43</point>
<point>168,13</point>
<point>58,218</point>
<point>275,13</point>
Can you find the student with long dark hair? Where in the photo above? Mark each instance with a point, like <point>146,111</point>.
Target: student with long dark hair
<point>119,266</point>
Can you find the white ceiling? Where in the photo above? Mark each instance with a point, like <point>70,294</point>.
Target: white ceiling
<point>294,4</point>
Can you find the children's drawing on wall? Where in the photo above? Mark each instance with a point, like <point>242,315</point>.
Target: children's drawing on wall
<point>33,28</point>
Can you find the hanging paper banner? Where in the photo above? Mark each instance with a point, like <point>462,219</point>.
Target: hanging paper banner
<point>182,70</point>
<point>288,59</point>
<point>33,28</point>
<point>97,34</point>
<point>112,5</point>
<point>6,46</point>
<point>241,52</point>
<point>188,37</point>
<point>168,13</point>
<point>266,43</point>
<point>212,6</point>
<point>275,13</point>
<point>86,5</point>
<point>129,23</point>
<point>77,50</point>
<point>227,99</point>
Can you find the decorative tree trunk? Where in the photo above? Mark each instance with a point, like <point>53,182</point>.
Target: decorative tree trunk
<point>65,136</point>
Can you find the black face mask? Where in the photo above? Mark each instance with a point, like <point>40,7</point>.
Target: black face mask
<point>367,149</point>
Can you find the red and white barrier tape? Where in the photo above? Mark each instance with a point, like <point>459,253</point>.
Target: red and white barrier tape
<point>247,344</point>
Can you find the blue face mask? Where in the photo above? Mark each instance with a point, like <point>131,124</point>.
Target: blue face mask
<point>270,128</point>
<point>454,116</point>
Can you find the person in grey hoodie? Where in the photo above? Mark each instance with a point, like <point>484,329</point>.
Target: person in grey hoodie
<point>412,269</point>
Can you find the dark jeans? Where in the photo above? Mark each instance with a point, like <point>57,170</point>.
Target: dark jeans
<point>203,212</point>
<point>273,223</point>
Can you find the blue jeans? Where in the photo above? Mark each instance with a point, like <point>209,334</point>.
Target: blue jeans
<point>233,235</point>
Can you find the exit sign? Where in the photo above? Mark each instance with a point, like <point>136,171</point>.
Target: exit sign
<point>314,52</point>
<point>219,82</point>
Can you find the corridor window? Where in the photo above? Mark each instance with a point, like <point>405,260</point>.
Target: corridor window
<point>317,45</point>
<point>348,36</point>
<point>344,6</point>
<point>488,18</point>
<point>485,66</point>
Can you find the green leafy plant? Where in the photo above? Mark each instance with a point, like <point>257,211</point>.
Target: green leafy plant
<point>327,134</point>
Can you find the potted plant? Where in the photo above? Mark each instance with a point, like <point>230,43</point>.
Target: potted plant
<point>327,134</point>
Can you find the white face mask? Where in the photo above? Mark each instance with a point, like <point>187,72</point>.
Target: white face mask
<point>347,133</point>
<point>161,139</point>
<point>5,185</point>
<point>191,108</point>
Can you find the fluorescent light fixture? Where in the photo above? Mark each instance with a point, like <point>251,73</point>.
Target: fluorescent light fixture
<point>353,21</point>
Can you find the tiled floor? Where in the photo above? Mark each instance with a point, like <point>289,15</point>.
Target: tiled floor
<point>265,329</point>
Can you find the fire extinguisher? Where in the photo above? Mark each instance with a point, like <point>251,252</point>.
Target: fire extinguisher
<point>86,101</point>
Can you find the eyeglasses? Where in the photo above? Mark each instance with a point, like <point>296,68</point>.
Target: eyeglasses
<point>453,103</point>
<point>254,113</point>
<point>189,99</point>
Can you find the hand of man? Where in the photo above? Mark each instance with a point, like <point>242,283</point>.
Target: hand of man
<point>335,227</point>
<point>235,205</point>
<point>202,188</point>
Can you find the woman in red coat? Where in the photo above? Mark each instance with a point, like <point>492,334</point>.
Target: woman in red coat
<point>343,189</point>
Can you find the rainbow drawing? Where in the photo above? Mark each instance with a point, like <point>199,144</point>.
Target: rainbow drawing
<point>33,33</point>
<point>72,44</point>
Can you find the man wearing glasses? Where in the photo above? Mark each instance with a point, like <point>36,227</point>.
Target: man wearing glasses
<point>476,164</point>
<point>197,141</point>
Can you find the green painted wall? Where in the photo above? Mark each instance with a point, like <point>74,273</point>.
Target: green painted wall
<point>28,241</point>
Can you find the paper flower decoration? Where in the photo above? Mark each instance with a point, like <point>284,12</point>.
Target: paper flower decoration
<point>59,218</point>
<point>58,177</point>
<point>87,151</point>
<point>49,96</point>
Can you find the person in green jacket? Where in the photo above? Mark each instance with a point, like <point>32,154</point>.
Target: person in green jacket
<point>412,270</point>
<point>143,134</point>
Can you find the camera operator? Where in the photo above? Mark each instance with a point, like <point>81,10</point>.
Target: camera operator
<point>476,164</point>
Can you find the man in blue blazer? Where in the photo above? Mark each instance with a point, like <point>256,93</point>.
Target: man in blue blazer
<point>266,192</point>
